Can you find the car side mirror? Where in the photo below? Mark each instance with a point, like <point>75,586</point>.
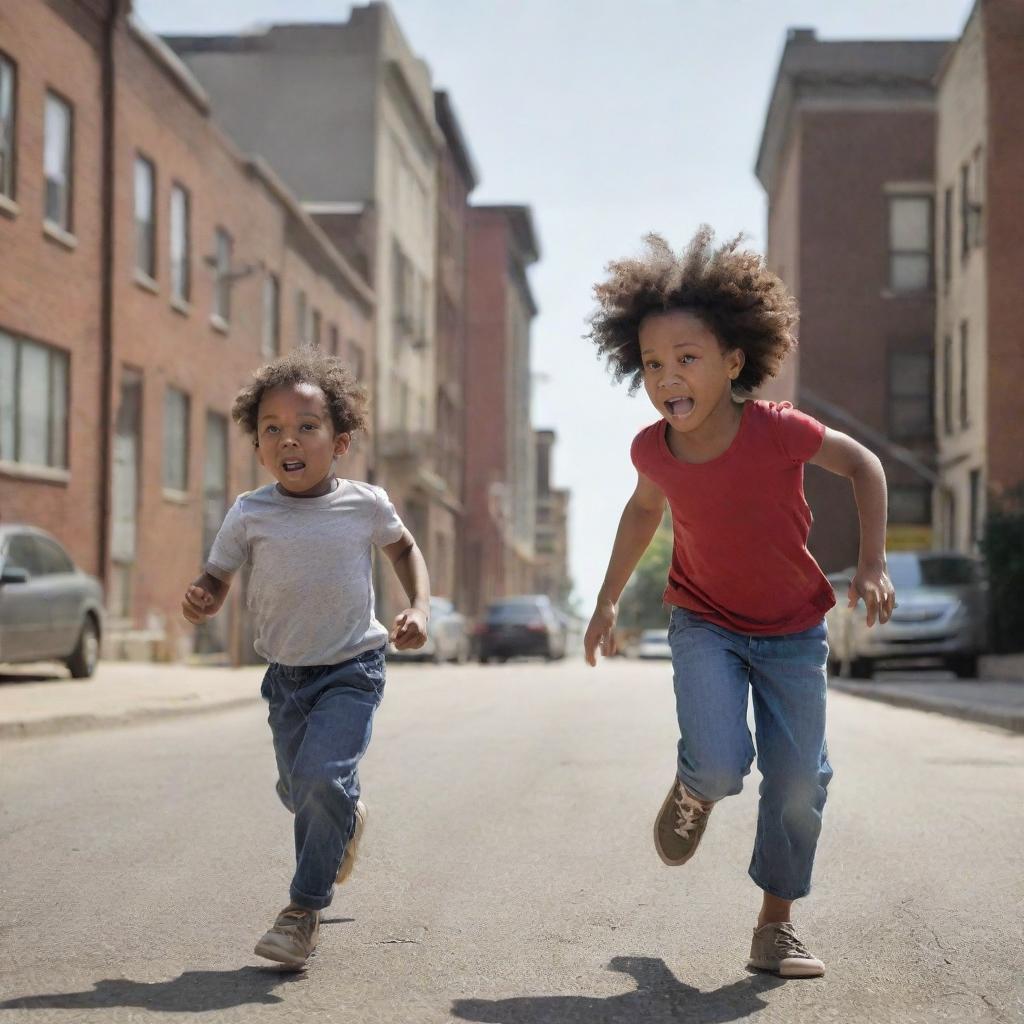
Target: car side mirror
<point>14,574</point>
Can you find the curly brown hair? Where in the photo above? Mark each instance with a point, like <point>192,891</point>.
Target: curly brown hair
<point>728,288</point>
<point>346,397</point>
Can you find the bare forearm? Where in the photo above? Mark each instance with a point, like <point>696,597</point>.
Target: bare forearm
<point>411,570</point>
<point>636,528</point>
<point>869,491</point>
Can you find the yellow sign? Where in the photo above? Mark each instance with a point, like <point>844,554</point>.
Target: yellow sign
<point>908,538</point>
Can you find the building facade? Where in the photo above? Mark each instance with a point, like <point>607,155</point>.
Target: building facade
<point>163,266</point>
<point>552,526</point>
<point>979,342</point>
<point>500,448</point>
<point>847,162</point>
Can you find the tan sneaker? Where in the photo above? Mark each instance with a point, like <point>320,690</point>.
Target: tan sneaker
<point>776,948</point>
<point>679,825</point>
<point>293,938</point>
<point>348,861</point>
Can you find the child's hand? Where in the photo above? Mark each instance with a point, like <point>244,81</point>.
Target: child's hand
<point>410,631</point>
<point>873,586</point>
<point>601,632</point>
<point>199,604</point>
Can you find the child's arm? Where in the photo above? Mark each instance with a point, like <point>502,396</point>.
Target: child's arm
<point>204,597</point>
<point>410,629</point>
<point>639,522</point>
<point>843,456</point>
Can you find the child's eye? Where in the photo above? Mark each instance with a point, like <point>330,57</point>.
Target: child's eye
<point>307,426</point>
<point>653,365</point>
<point>270,429</point>
<point>687,359</point>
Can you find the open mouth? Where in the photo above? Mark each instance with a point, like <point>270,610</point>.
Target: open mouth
<point>679,407</point>
<point>293,465</point>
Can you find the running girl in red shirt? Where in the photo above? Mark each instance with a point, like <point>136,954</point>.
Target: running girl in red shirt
<point>700,331</point>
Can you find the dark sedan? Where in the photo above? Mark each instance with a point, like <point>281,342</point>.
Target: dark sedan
<point>49,609</point>
<point>521,626</point>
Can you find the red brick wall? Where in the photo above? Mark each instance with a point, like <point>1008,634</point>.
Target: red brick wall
<point>49,293</point>
<point>1003,22</point>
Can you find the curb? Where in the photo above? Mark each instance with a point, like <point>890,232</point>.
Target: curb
<point>139,716</point>
<point>1013,721</point>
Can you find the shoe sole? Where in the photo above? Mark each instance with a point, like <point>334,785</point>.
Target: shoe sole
<point>348,861</point>
<point>786,972</point>
<point>271,952</point>
<point>672,862</point>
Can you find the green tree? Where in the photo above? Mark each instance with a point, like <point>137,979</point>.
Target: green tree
<point>641,605</point>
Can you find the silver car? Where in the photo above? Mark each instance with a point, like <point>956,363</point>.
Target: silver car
<point>941,615</point>
<point>49,609</point>
<point>447,636</point>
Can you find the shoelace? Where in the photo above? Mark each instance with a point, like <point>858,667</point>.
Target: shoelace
<point>689,813</point>
<point>787,944</point>
<point>294,916</point>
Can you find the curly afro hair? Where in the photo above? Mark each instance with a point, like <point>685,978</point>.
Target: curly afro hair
<point>728,288</point>
<point>346,397</point>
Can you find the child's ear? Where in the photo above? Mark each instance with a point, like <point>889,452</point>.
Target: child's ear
<point>736,360</point>
<point>341,443</point>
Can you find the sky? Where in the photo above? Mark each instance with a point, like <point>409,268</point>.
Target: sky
<point>610,120</point>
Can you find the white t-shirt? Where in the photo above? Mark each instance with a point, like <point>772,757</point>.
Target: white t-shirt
<point>310,587</point>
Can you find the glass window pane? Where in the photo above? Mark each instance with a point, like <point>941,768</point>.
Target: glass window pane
<point>910,504</point>
<point>271,316</point>
<point>6,127</point>
<point>910,374</point>
<point>181,285</point>
<point>909,223</point>
<point>215,477</point>
<point>176,412</point>
<point>57,159</point>
<point>909,272</point>
<point>33,401</point>
<point>145,258</point>
<point>222,292</point>
<point>8,363</point>
<point>58,409</point>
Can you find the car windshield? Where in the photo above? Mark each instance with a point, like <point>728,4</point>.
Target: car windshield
<point>518,611</point>
<point>909,570</point>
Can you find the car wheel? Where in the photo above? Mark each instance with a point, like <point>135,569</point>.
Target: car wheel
<point>484,659</point>
<point>835,666</point>
<point>862,668</point>
<point>82,662</point>
<point>965,666</point>
<point>462,654</point>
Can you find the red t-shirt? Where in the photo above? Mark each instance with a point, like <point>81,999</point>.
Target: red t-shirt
<point>741,522</point>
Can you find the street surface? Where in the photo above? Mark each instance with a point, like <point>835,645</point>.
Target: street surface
<point>508,873</point>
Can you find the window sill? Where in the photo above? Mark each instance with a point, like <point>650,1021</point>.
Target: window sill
<point>8,206</point>
<point>147,283</point>
<point>57,234</point>
<point>182,306</point>
<point>42,474</point>
<point>219,324</point>
<point>176,497</point>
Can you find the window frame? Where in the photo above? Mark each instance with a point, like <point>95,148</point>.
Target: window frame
<point>964,413</point>
<point>270,338</point>
<point>9,173</point>
<point>167,483</point>
<point>180,266</point>
<point>68,227</point>
<point>145,261</point>
<point>927,253</point>
<point>925,398</point>
<point>222,279</point>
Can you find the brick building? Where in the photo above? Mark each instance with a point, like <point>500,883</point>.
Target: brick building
<point>500,447</point>
<point>552,527</point>
<point>156,267</point>
<point>847,159</point>
<point>979,338</point>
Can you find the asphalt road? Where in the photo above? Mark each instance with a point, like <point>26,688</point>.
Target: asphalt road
<point>508,873</point>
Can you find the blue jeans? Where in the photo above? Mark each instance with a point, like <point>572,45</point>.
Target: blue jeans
<point>321,717</point>
<point>713,669</point>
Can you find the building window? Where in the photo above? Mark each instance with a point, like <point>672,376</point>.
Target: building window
<point>332,339</point>
<point>33,403</point>
<point>357,359</point>
<point>222,287</point>
<point>910,243</point>
<point>271,317</point>
<point>176,437</point>
<point>947,384</point>
<point>964,412</point>
<point>215,477</point>
<point>947,239</point>
<point>58,140</point>
<point>317,327</point>
<point>301,319</point>
<point>8,98</point>
<point>145,217</point>
<point>910,395</point>
<point>910,504</point>
<point>181,244</point>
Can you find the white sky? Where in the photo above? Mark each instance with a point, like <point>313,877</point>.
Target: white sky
<point>610,120</point>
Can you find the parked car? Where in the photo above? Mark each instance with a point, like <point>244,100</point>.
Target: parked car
<point>49,609</point>
<point>653,643</point>
<point>941,615</point>
<point>516,626</point>
<point>447,636</point>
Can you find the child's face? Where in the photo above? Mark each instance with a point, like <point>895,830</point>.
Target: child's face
<point>296,441</point>
<point>687,373</point>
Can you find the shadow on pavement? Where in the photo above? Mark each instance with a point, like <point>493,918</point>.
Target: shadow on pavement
<point>35,674</point>
<point>191,992</point>
<point>660,998</point>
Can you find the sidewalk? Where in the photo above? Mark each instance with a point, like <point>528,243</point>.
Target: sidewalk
<point>41,699</point>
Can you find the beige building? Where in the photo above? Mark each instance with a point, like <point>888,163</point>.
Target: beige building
<point>552,526</point>
<point>979,338</point>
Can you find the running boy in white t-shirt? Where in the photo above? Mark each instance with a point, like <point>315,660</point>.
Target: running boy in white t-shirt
<point>308,541</point>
